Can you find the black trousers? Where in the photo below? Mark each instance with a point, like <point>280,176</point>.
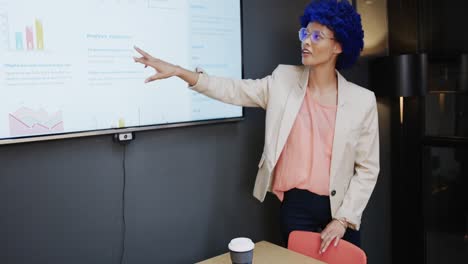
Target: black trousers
<point>307,211</point>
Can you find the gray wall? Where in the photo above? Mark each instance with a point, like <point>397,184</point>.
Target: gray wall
<point>186,188</point>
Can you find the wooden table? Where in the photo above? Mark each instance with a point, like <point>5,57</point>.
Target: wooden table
<point>268,253</point>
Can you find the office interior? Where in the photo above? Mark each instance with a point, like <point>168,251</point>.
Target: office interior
<point>188,191</point>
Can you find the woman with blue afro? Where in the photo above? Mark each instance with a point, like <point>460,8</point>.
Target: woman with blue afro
<point>321,152</point>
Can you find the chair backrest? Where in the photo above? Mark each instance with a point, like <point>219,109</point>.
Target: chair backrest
<point>308,243</point>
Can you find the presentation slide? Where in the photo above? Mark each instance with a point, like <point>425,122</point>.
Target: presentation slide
<point>67,66</point>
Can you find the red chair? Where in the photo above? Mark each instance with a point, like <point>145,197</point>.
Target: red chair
<point>308,243</point>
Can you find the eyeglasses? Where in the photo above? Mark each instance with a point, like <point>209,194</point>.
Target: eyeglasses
<point>315,36</point>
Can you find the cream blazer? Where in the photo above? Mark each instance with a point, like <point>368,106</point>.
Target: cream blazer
<point>354,165</point>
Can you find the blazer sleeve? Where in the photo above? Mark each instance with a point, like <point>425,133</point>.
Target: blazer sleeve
<point>367,167</point>
<point>246,92</point>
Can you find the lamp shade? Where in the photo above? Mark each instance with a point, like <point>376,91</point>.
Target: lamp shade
<point>400,76</point>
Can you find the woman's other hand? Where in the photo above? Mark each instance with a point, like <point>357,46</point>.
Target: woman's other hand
<point>332,233</point>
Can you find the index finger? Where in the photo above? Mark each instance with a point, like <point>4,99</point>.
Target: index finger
<point>142,52</point>
<point>322,245</point>
<point>327,243</point>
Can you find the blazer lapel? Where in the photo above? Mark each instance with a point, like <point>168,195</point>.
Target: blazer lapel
<point>341,126</point>
<point>291,109</point>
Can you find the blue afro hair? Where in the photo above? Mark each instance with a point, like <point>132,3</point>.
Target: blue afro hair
<point>341,18</point>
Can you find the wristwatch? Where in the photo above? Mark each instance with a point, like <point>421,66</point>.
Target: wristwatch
<point>343,221</point>
<point>350,225</point>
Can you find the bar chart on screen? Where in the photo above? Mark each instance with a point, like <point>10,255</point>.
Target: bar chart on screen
<point>27,35</point>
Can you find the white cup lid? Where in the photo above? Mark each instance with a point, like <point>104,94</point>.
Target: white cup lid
<point>241,244</point>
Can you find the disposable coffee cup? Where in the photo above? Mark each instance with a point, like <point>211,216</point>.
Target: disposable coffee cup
<point>241,250</point>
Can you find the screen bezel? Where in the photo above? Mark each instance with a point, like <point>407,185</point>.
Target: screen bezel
<point>111,131</point>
